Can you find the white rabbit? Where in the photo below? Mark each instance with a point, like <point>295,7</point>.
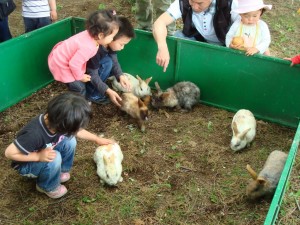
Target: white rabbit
<point>264,185</point>
<point>139,87</point>
<point>109,163</point>
<point>243,129</point>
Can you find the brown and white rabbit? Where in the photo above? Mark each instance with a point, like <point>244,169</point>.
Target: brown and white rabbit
<point>109,163</point>
<point>136,108</point>
<point>243,129</point>
<point>183,95</point>
<point>139,87</point>
<point>264,184</point>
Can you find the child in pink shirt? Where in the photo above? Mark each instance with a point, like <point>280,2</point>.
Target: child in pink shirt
<point>67,60</point>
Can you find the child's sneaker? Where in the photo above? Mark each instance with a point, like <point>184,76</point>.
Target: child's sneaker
<point>99,100</point>
<point>60,191</point>
<point>64,177</point>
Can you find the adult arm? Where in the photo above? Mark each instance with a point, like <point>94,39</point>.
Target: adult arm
<point>160,35</point>
<point>53,13</point>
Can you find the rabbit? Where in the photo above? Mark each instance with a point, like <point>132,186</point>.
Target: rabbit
<point>183,95</point>
<point>136,108</point>
<point>109,163</point>
<point>264,185</point>
<point>139,87</point>
<point>243,129</point>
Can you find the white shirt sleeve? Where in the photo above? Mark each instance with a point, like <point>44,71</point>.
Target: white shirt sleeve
<point>265,38</point>
<point>232,32</point>
<point>174,10</point>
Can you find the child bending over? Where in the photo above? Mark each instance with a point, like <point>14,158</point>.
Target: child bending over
<point>105,63</point>
<point>44,149</point>
<point>67,60</point>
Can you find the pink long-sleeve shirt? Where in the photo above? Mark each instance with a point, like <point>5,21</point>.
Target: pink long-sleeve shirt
<point>68,58</point>
<point>296,59</point>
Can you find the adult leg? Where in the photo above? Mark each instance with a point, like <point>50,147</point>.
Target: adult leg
<point>161,6</point>
<point>144,14</point>
<point>4,30</point>
<point>30,24</point>
<point>42,22</point>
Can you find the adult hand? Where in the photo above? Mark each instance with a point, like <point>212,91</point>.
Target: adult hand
<point>53,15</point>
<point>86,78</point>
<point>163,57</point>
<point>125,82</point>
<point>114,97</point>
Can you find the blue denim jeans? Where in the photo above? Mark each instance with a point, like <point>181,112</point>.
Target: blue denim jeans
<point>47,174</point>
<point>78,87</point>
<point>4,30</point>
<point>104,73</point>
<point>35,23</point>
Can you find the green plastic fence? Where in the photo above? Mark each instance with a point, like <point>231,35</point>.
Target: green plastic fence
<point>228,79</point>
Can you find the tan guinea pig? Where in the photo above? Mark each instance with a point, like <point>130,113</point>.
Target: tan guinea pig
<point>238,41</point>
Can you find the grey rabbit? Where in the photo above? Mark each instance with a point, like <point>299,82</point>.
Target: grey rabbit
<point>264,184</point>
<point>183,95</point>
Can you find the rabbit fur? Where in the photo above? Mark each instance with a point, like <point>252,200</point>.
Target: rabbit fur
<point>139,87</point>
<point>183,95</point>
<point>109,163</point>
<point>136,108</point>
<point>243,129</point>
<point>264,185</point>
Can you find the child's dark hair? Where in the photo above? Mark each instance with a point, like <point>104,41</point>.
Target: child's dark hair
<point>67,113</point>
<point>125,28</point>
<point>102,21</point>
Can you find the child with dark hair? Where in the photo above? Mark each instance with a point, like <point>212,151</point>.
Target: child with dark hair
<point>67,60</point>
<point>105,63</point>
<point>44,149</point>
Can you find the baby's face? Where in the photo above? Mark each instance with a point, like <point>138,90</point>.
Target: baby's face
<point>119,44</point>
<point>250,18</point>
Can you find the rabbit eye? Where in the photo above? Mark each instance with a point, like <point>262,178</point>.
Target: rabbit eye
<point>141,88</point>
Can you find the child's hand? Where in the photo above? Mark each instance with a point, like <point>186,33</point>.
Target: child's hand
<point>104,141</point>
<point>114,97</point>
<point>86,78</point>
<point>251,51</point>
<point>47,154</point>
<point>125,82</point>
<point>290,59</point>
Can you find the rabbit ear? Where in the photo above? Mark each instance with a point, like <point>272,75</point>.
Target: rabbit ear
<point>261,181</point>
<point>137,77</point>
<point>243,134</point>
<point>157,87</point>
<point>148,80</point>
<point>235,130</point>
<point>141,103</point>
<point>252,172</point>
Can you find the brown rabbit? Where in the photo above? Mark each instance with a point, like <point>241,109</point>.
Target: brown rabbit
<point>136,108</point>
<point>264,184</point>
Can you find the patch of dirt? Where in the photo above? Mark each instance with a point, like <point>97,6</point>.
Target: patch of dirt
<point>180,171</point>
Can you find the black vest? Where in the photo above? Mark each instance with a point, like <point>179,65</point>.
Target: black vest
<point>221,20</point>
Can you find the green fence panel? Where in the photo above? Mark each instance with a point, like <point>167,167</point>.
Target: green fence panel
<point>228,79</point>
<point>23,66</point>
